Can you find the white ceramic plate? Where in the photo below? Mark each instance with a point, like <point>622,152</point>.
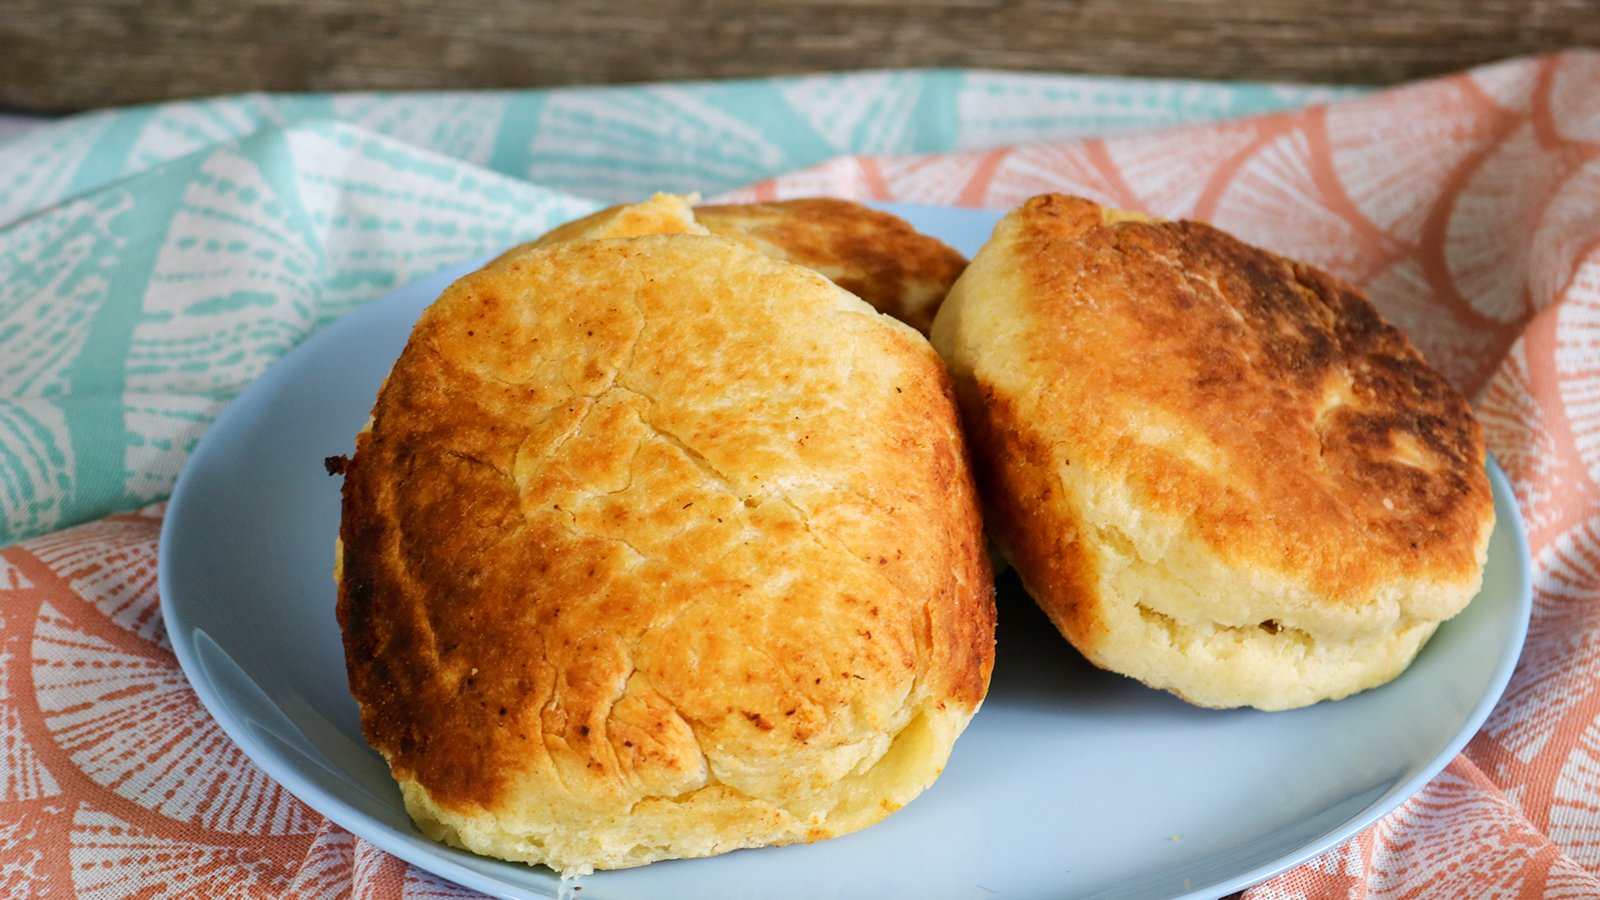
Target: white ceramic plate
<point>1069,783</point>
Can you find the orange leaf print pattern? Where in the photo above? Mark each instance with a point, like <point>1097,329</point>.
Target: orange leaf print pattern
<point>114,858</point>
<point>1572,110</point>
<point>1395,154</point>
<point>1511,85</point>
<point>115,779</point>
<point>1553,695</point>
<point>1461,809</point>
<point>1518,434</point>
<point>118,706</point>
<point>1488,247</point>
<point>325,872</point>
<point>959,179</point>
<point>1167,172</point>
<point>1565,240</point>
<point>1577,365</point>
<point>1284,197</point>
<point>1084,169</point>
<point>1575,808</point>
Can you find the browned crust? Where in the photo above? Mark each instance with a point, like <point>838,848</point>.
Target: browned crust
<point>875,255</point>
<point>1338,456</point>
<point>507,616</point>
<point>1033,524</point>
<point>660,214</point>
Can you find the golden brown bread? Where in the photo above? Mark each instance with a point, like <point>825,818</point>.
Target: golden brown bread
<point>877,256</point>
<point>661,214</point>
<point>659,548</point>
<point>1217,470</point>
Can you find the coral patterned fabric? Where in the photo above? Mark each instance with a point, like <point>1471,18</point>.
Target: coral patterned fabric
<point>1469,208</point>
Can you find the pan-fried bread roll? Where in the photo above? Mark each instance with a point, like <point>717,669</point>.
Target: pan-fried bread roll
<point>1217,470</point>
<point>877,256</point>
<point>661,214</point>
<point>659,548</point>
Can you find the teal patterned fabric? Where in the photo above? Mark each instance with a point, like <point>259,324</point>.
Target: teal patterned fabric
<point>154,260</point>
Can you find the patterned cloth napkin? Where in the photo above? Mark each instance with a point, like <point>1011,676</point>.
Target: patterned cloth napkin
<point>154,261</point>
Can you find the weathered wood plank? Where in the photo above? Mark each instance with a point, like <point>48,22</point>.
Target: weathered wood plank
<point>75,54</point>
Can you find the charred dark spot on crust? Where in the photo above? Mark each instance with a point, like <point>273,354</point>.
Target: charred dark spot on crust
<point>1269,370</point>
<point>756,720</point>
<point>336,465</point>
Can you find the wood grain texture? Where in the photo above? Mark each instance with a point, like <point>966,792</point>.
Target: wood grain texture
<point>62,55</point>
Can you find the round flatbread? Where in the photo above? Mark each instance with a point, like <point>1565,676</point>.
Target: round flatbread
<point>1217,470</point>
<point>659,548</point>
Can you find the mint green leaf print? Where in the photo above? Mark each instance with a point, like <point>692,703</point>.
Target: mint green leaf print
<point>626,143</point>
<point>999,108</point>
<point>171,130</point>
<point>876,113</point>
<point>385,213</point>
<point>462,125</point>
<point>37,167</point>
<point>131,316</point>
<point>35,466</point>
<point>60,273</point>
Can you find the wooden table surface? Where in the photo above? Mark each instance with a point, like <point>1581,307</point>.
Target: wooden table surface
<point>66,55</point>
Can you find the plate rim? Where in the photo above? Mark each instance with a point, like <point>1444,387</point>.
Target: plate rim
<point>424,853</point>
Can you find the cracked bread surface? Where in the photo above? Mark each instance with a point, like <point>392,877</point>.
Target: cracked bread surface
<point>1217,470</point>
<point>658,548</point>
